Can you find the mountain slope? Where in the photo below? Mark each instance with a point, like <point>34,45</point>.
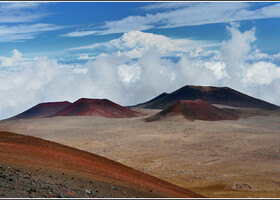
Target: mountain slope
<point>212,95</point>
<point>196,110</point>
<point>42,110</point>
<point>96,107</point>
<point>150,102</point>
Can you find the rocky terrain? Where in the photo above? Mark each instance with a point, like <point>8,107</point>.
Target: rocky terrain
<point>192,145</point>
<point>16,182</point>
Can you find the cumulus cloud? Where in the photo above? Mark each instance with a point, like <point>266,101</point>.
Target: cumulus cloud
<point>11,61</point>
<point>135,43</point>
<point>192,13</point>
<point>261,73</point>
<point>129,73</point>
<point>218,68</point>
<point>249,70</point>
<point>135,68</point>
<point>237,49</point>
<point>194,72</point>
<point>16,60</point>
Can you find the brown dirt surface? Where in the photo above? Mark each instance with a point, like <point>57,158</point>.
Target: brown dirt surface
<point>228,158</point>
<point>33,167</point>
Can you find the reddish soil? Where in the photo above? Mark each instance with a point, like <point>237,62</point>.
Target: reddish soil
<point>97,107</point>
<point>42,110</point>
<point>34,153</point>
<point>197,110</point>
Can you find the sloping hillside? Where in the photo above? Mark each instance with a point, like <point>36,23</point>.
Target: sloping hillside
<point>212,95</point>
<point>196,110</point>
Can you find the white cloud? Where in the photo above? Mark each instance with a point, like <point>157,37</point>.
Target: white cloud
<point>269,11</point>
<point>80,70</point>
<point>18,21</point>
<point>16,12</point>
<point>15,60</point>
<point>258,55</point>
<point>202,53</point>
<point>218,68</point>
<point>85,57</point>
<point>261,73</point>
<point>135,43</point>
<point>189,15</point>
<point>194,72</point>
<point>16,57</point>
<point>24,31</point>
<point>237,49</point>
<point>129,73</point>
<point>165,5</point>
<point>256,78</point>
<point>79,33</point>
<point>18,5</point>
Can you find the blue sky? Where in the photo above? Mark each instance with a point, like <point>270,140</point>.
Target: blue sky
<point>51,51</point>
<point>65,18</point>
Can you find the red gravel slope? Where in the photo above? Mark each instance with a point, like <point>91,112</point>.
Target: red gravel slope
<point>97,107</point>
<point>196,110</point>
<point>34,153</point>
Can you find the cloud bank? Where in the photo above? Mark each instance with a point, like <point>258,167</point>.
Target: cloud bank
<point>138,66</point>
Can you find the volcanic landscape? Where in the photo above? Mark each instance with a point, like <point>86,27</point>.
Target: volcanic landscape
<point>198,141</point>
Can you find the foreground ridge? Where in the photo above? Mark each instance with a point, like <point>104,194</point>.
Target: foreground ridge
<point>59,164</point>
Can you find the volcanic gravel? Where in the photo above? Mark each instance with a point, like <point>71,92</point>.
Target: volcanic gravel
<point>15,183</point>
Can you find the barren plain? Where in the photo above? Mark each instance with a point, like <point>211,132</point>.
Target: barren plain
<point>230,158</point>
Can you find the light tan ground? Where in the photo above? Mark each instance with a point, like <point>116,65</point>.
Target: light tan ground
<point>216,159</point>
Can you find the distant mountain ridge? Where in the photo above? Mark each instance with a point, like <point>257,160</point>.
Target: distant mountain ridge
<point>81,107</point>
<point>213,95</point>
<point>106,108</point>
<point>96,107</point>
<point>42,110</point>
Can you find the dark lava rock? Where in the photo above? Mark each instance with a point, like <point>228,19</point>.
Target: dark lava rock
<point>87,191</point>
<point>112,187</point>
<point>3,176</point>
